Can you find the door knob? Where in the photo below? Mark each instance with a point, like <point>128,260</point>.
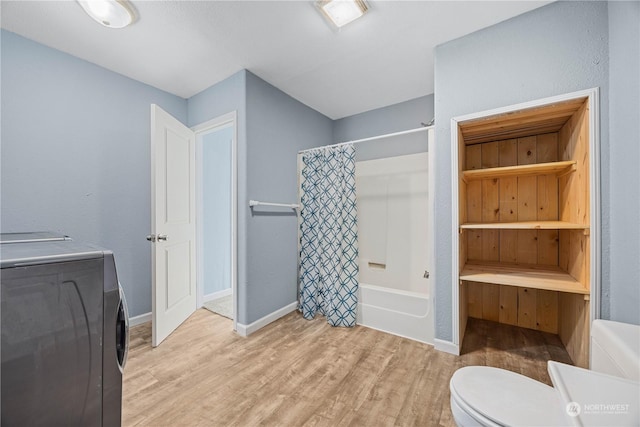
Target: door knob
<point>159,237</point>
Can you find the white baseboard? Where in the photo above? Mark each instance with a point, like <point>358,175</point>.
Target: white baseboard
<point>216,295</point>
<point>246,330</point>
<point>139,320</point>
<point>446,346</point>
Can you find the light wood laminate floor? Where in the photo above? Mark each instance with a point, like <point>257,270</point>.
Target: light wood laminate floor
<point>296,372</point>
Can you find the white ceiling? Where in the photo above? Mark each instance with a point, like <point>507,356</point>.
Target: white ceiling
<point>184,47</point>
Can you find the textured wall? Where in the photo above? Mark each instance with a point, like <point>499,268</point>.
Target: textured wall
<point>559,48</point>
<point>278,126</point>
<point>76,155</point>
<point>393,118</point>
<point>66,124</point>
<point>222,98</point>
<point>624,155</point>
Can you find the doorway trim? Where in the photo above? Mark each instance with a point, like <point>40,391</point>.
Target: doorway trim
<point>226,120</point>
<point>592,94</point>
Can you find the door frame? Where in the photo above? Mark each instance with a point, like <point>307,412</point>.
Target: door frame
<point>594,187</point>
<point>225,120</point>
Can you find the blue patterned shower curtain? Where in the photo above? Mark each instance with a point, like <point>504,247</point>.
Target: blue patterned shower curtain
<point>329,235</point>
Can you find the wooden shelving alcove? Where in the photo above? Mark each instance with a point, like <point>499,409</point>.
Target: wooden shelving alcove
<point>524,215</point>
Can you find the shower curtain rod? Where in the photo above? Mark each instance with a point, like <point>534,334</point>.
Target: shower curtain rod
<point>372,138</point>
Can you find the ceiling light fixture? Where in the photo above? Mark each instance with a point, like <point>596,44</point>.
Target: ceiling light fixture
<point>110,13</point>
<point>342,12</point>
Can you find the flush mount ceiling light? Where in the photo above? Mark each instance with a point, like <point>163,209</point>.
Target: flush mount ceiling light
<point>110,13</point>
<point>342,12</point>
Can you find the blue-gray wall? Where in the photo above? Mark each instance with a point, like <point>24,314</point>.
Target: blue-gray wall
<point>624,156</point>
<point>75,146</point>
<point>393,118</point>
<point>216,210</point>
<point>75,155</point>
<point>222,98</point>
<point>278,126</point>
<point>399,117</point>
<point>272,128</point>
<point>559,48</point>
<point>75,159</point>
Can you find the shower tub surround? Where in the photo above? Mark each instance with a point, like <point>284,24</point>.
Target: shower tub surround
<point>392,199</point>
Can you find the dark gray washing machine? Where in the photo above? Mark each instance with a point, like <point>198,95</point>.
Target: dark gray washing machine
<point>64,332</point>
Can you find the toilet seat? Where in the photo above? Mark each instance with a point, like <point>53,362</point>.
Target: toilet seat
<point>496,397</point>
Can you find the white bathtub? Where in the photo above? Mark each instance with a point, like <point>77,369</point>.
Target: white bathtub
<point>403,313</point>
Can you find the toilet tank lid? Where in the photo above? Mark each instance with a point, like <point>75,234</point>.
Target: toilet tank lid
<point>621,341</point>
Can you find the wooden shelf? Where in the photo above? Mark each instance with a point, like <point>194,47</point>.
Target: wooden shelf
<point>526,225</point>
<point>524,276</point>
<point>557,168</point>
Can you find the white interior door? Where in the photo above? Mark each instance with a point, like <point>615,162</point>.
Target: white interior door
<point>173,223</point>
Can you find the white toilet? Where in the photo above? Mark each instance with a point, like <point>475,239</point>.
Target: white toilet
<point>486,396</point>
